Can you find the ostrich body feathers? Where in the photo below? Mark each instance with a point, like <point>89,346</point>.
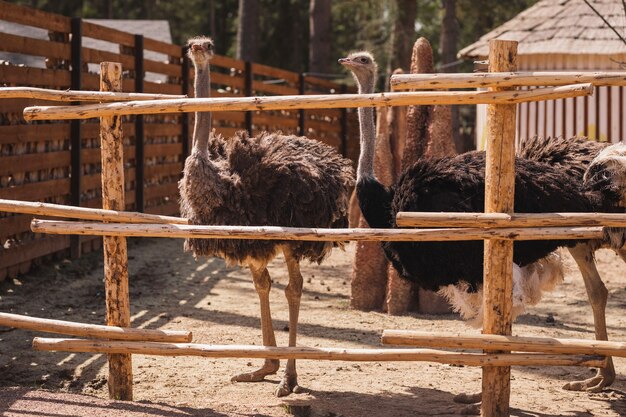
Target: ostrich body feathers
<point>457,184</point>
<point>268,180</point>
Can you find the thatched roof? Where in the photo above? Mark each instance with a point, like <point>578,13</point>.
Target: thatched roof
<point>560,27</point>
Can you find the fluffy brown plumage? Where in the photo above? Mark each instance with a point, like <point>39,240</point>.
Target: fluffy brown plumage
<point>271,179</point>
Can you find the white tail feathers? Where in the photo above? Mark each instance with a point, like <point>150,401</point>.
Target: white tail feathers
<point>529,283</point>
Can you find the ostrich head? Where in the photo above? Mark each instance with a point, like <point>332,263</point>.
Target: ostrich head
<point>607,174</point>
<point>200,50</point>
<point>363,68</point>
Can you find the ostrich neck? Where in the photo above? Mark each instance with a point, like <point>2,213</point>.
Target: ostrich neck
<point>202,125</point>
<point>368,135</point>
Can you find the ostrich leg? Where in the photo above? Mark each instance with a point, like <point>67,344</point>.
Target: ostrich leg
<point>598,294</point>
<point>293,292</point>
<point>262,284</point>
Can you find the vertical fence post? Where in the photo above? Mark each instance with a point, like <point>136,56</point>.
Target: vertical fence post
<point>498,261</point>
<point>248,93</point>
<point>115,251</point>
<point>75,130</point>
<point>139,131</point>
<point>184,117</point>
<point>301,90</point>
<point>344,124</point>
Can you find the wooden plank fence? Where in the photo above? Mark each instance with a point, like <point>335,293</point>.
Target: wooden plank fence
<point>59,162</point>
<point>599,117</point>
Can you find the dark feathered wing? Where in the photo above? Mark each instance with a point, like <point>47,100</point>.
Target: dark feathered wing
<point>572,155</point>
<point>375,202</point>
<point>457,184</point>
<point>578,158</point>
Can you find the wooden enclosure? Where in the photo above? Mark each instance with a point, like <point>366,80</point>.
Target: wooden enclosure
<point>59,162</point>
<point>499,182</point>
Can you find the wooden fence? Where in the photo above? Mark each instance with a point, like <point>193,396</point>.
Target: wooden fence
<point>59,162</point>
<point>599,117</point>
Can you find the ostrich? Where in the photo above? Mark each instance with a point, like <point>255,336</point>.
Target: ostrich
<point>548,179</point>
<point>271,179</point>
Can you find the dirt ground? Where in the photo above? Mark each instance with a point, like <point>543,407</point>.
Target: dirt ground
<point>169,290</point>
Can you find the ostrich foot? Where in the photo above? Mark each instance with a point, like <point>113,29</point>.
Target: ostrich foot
<point>270,367</point>
<point>603,378</point>
<point>464,398</point>
<point>287,385</point>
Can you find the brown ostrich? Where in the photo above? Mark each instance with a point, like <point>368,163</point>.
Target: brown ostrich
<point>271,179</point>
<point>549,178</point>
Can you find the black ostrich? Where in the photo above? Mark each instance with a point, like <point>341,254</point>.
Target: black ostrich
<point>272,179</point>
<point>549,178</point>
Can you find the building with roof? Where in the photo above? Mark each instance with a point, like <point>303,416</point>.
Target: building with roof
<point>565,35</point>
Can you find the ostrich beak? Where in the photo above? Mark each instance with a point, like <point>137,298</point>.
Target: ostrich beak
<point>343,60</point>
<point>196,48</point>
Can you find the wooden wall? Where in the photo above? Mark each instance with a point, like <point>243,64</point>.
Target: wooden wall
<point>599,117</point>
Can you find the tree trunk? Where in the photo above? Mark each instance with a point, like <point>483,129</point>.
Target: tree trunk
<point>403,35</point>
<point>320,28</point>
<point>212,18</point>
<point>105,9</point>
<point>248,30</point>
<point>449,34</point>
<point>449,41</point>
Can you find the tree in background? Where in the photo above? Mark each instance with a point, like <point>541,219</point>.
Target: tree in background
<point>449,38</point>
<point>320,36</point>
<point>403,35</point>
<point>297,34</point>
<point>284,34</point>
<point>248,30</point>
<point>362,25</point>
<point>283,25</point>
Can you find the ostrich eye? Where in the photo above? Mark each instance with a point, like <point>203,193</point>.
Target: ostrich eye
<point>364,60</point>
<point>209,46</point>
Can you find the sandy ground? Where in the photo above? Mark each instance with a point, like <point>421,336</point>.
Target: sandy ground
<point>169,290</point>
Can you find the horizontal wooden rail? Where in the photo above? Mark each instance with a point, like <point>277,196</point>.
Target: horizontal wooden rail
<point>84,213</point>
<point>331,354</point>
<point>92,330</point>
<point>310,234</point>
<point>509,343</point>
<point>73,95</point>
<point>429,219</point>
<point>328,101</point>
<point>503,79</point>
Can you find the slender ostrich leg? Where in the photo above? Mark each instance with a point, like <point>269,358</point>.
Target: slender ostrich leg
<point>262,284</point>
<point>293,292</point>
<point>598,294</point>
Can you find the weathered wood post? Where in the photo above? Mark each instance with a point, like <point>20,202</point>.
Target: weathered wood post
<point>115,254</point>
<point>498,269</point>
